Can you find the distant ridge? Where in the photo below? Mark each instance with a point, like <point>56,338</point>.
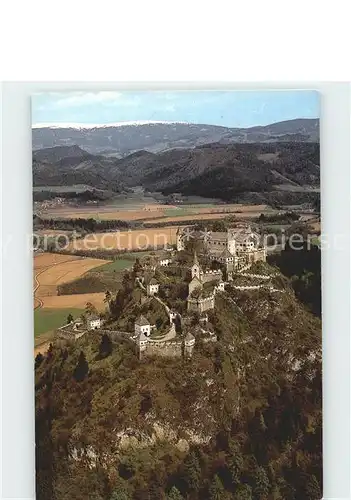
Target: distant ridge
<point>103,125</point>
<point>123,138</point>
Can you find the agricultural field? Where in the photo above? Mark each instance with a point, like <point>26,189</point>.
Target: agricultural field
<point>211,216</point>
<point>102,214</point>
<point>75,276</point>
<point>51,270</point>
<point>51,309</point>
<point>46,320</point>
<point>45,260</point>
<point>121,211</point>
<point>116,265</point>
<point>152,212</point>
<point>77,301</point>
<point>106,277</point>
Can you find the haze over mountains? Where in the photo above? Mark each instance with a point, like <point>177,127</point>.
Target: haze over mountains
<point>120,139</point>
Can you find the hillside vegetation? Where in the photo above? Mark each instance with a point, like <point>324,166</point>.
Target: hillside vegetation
<point>240,420</point>
<point>232,172</point>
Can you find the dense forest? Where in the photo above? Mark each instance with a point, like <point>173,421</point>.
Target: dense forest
<point>89,225</point>
<point>77,196</point>
<point>304,269</point>
<point>283,173</point>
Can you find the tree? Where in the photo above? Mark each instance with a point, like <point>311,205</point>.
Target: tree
<point>108,297</point>
<point>116,306</point>
<point>276,493</point>
<point>90,308</point>
<point>174,494</point>
<point>178,325</point>
<point>216,490</point>
<point>287,490</point>
<point>195,318</point>
<point>82,368</point>
<point>39,358</point>
<point>243,492</point>
<point>127,282</point>
<point>105,347</point>
<point>69,318</point>
<point>236,463</point>
<point>158,323</point>
<point>137,266</point>
<point>50,352</point>
<point>313,491</point>
<point>219,226</point>
<point>192,472</point>
<point>317,205</point>
<point>120,494</point>
<point>64,354</point>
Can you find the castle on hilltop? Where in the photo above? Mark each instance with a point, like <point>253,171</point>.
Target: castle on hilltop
<point>235,248</point>
<point>229,252</point>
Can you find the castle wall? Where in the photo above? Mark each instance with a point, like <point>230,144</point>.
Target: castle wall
<point>231,245</point>
<point>210,276</point>
<point>230,266</point>
<point>212,338</point>
<point>167,349</point>
<point>260,255</point>
<point>193,285</point>
<point>200,305</point>
<point>260,276</point>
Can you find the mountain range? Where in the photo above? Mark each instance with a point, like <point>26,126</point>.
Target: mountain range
<point>120,140</point>
<point>223,169</point>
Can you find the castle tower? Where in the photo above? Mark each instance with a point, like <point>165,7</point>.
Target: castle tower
<point>195,269</point>
<point>142,325</point>
<point>231,242</point>
<point>180,240</point>
<point>141,342</point>
<point>189,343</point>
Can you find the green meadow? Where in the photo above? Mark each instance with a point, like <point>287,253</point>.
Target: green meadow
<point>46,320</point>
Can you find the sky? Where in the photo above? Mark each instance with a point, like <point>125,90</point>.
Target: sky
<point>226,108</point>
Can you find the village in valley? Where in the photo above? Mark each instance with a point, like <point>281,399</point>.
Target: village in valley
<point>204,263</point>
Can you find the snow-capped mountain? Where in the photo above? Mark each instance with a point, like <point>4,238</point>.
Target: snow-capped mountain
<point>103,125</point>
<point>122,138</point>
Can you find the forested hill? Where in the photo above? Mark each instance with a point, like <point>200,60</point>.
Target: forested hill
<point>241,420</point>
<point>287,171</point>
